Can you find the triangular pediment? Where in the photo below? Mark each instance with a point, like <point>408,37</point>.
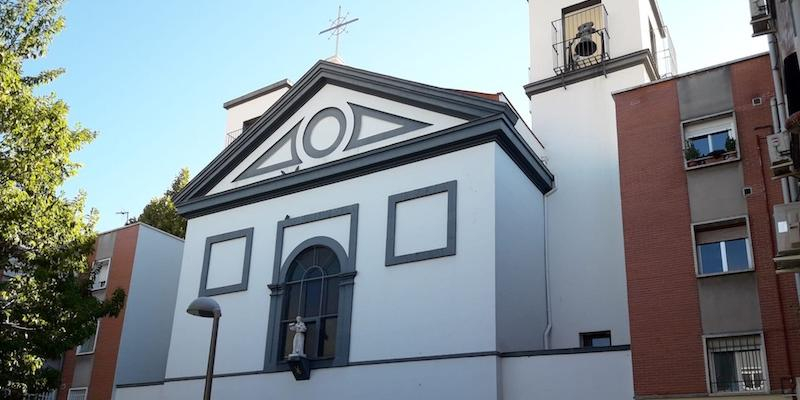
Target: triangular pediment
<point>334,124</point>
<point>334,113</point>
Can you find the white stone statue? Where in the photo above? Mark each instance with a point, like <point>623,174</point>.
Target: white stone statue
<point>299,329</point>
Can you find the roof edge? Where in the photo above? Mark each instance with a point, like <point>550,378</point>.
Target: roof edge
<point>283,83</point>
<point>693,72</point>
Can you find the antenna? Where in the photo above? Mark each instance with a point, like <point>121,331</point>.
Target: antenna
<point>338,27</point>
<point>126,214</point>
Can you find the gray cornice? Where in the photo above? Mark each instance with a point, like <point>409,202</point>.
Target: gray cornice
<point>641,57</point>
<point>412,93</point>
<point>496,128</point>
<point>284,83</point>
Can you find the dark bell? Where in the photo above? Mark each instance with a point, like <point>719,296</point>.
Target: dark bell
<point>586,46</point>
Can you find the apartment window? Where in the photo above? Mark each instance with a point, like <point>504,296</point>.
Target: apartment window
<point>710,140</point>
<point>100,273</point>
<point>722,247</point>
<point>77,394</point>
<point>596,339</point>
<point>87,347</point>
<point>735,364</point>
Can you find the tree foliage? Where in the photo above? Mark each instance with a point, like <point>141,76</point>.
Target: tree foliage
<point>161,212</point>
<point>46,306</point>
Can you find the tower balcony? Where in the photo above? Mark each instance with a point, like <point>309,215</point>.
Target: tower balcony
<point>581,39</point>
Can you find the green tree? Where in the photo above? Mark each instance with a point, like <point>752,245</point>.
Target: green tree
<point>161,212</point>
<point>46,306</point>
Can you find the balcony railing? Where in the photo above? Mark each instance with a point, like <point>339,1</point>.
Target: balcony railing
<point>42,396</point>
<point>231,136</point>
<point>581,39</point>
<point>666,61</point>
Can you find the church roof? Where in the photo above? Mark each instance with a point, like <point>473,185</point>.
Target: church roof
<point>485,118</point>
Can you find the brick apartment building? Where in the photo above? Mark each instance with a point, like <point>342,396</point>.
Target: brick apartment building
<point>709,316</point>
<point>145,263</point>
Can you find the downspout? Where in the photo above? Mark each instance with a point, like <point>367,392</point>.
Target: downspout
<point>778,123</point>
<point>780,107</point>
<point>776,129</point>
<point>549,328</point>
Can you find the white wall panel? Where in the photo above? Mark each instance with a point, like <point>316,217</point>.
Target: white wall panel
<point>421,224</point>
<point>225,263</point>
<point>402,305</point>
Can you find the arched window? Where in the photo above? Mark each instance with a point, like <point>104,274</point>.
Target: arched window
<point>312,292</point>
<point>315,281</point>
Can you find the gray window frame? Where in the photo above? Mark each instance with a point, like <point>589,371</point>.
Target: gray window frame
<point>246,233</point>
<point>450,248</point>
<point>347,260</point>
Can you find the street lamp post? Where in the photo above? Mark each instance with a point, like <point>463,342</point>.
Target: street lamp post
<point>207,307</point>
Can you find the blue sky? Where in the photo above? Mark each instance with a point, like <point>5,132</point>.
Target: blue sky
<point>151,76</point>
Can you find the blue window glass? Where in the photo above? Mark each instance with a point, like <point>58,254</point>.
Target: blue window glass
<point>701,144</point>
<point>710,256</point>
<point>718,140</point>
<point>736,254</point>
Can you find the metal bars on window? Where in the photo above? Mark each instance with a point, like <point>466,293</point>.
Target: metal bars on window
<point>735,364</point>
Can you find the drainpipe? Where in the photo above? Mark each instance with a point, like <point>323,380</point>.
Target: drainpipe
<point>779,120</point>
<point>773,103</point>
<point>549,328</point>
<point>776,80</point>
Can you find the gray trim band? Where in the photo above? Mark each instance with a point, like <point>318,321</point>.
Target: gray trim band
<point>284,83</point>
<point>312,124</point>
<point>533,353</point>
<point>640,57</point>
<point>238,287</point>
<point>495,128</point>
<point>391,227</point>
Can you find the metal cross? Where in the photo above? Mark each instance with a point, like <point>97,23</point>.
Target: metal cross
<point>338,27</point>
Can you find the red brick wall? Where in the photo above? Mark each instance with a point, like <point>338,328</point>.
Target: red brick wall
<point>776,293</point>
<point>109,335</point>
<point>107,348</point>
<point>666,343</point>
<point>666,333</point>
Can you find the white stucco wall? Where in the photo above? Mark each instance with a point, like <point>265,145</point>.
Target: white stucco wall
<point>585,242</point>
<point>403,305</point>
<point>253,108</point>
<point>468,378</point>
<point>597,376</point>
<point>519,259</point>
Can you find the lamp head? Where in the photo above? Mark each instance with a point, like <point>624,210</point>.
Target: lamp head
<point>205,307</point>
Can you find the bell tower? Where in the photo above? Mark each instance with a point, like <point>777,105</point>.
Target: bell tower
<point>582,52</point>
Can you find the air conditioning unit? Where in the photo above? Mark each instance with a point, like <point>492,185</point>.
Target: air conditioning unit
<point>760,17</point>
<point>787,235</point>
<point>779,146</point>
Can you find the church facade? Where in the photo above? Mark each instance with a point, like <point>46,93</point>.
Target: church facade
<point>404,223</point>
<point>431,244</point>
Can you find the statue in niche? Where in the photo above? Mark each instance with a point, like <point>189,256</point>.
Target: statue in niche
<point>299,329</point>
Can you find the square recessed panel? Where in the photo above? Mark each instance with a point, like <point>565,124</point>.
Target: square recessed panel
<point>226,263</point>
<point>421,224</point>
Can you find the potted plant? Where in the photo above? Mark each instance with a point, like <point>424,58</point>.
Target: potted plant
<point>730,144</point>
<point>691,153</point>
